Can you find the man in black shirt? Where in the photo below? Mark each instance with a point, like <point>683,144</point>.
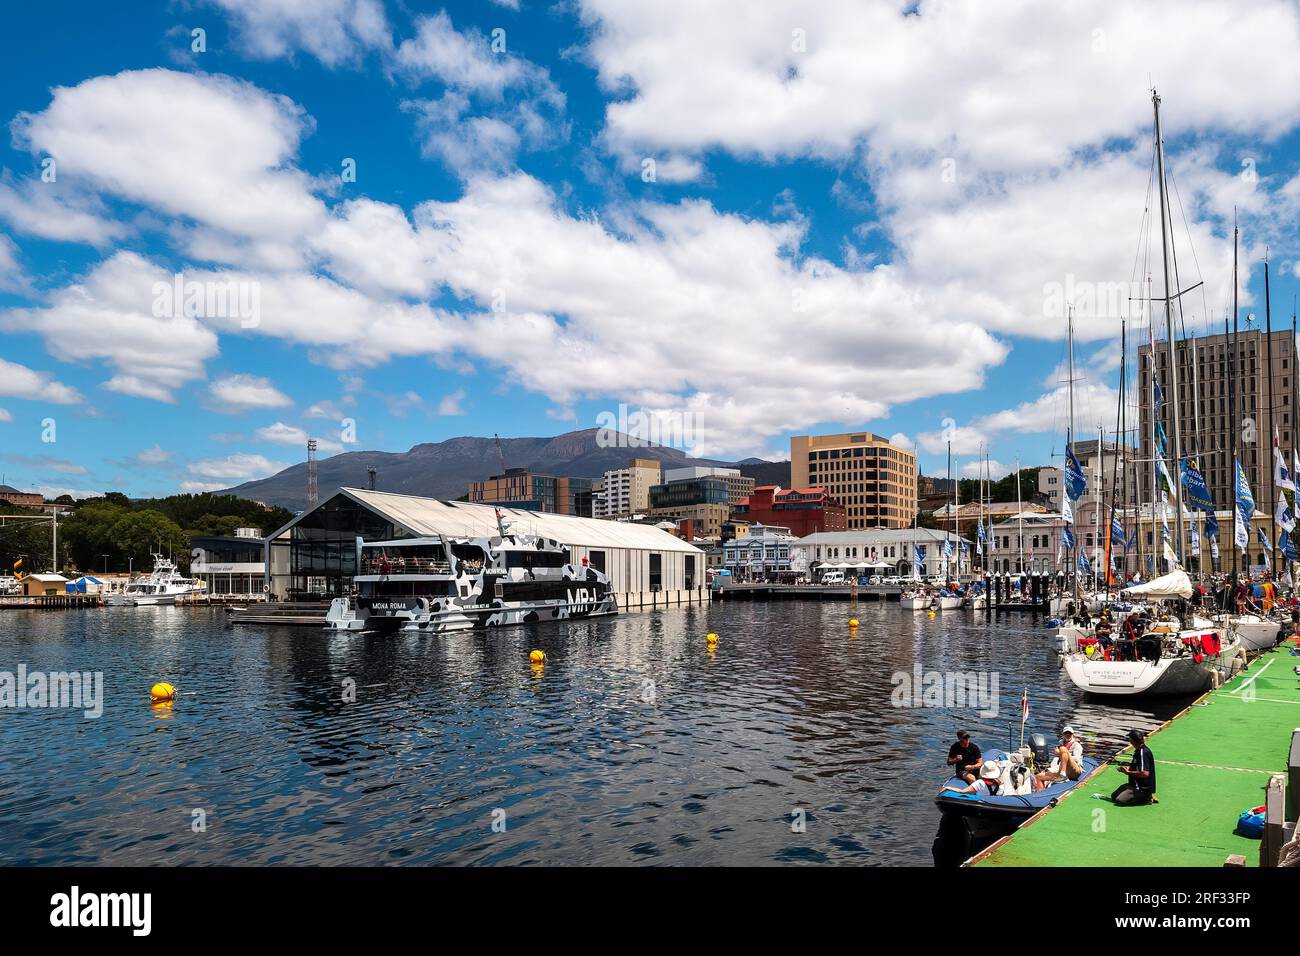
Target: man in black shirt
<point>1141,786</point>
<point>965,758</point>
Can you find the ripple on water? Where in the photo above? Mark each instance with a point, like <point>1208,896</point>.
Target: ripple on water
<point>635,744</point>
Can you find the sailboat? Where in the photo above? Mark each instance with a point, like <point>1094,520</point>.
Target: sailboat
<point>1166,656</point>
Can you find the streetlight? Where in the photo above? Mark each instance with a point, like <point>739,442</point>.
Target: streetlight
<point>105,557</point>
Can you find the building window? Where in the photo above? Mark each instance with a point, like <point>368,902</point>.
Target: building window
<point>656,571</point>
<point>596,559</point>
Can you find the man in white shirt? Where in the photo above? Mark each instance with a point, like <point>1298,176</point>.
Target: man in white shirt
<point>1068,763</point>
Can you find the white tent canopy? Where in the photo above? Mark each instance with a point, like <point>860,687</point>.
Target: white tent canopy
<point>1175,584</point>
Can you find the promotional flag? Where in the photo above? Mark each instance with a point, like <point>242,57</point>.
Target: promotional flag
<point>1245,507</point>
<point>1067,510</point>
<point>1263,539</point>
<point>918,554</point>
<point>1285,516</point>
<point>1075,482</point>
<point>1282,476</point>
<point>1162,440</point>
<point>1085,565</point>
<point>965,548</point>
<point>1214,549</point>
<point>1196,540</point>
<point>1288,547</point>
<point>1117,532</point>
<point>1067,537</point>
<point>947,549</point>
<point>979,539</point>
<point>1197,494</point>
<point>1212,526</point>
<point>1166,480</point>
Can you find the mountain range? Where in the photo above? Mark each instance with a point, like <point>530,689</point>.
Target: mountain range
<point>445,469</point>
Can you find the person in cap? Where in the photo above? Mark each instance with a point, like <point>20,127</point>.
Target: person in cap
<point>1068,762</point>
<point>965,758</point>
<point>1141,772</point>
<point>988,783</point>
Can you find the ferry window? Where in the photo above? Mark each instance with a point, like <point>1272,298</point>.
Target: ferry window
<point>596,559</point>
<point>656,571</point>
<point>535,559</point>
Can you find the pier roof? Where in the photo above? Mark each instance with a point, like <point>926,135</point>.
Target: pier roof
<point>431,516</point>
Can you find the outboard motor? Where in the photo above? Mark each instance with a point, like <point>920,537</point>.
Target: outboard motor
<point>1041,751</point>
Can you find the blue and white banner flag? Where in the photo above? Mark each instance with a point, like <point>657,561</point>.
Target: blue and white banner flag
<point>1282,476</point>
<point>1067,537</point>
<point>1263,539</point>
<point>947,549</point>
<point>1117,532</point>
<point>1245,507</point>
<point>1084,565</point>
<point>1075,482</point>
<point>1285,515</point>
<point>1288,546</point>
<point>1197,494</point>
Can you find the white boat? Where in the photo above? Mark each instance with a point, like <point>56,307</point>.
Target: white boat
<point>438,585</point>
<point>10,584</point>
<point>1256,633</point>
<point>915,601</point>
<point>1172,659</point>
<point>950,602</point>
<point>1175,672</point>
<point>163,585</point>
<point>979,602</point>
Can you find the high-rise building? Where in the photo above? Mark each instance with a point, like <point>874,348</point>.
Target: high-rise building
<point>1205,407</point>
<point>703,501</point>
<point>874,480</point>
<point>626,491</point>
<point>521,488</point>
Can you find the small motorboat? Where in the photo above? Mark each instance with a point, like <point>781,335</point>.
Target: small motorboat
<point>1016,800</point>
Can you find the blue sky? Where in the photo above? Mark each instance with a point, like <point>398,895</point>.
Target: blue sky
<point>755,221</point>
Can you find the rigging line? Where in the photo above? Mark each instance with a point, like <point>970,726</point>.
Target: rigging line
<point>1205,305</point>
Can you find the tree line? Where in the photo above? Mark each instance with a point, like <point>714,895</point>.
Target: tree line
<point>121,533</point>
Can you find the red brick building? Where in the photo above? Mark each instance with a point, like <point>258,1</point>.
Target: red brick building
<point>804,511</point>
<point>21,499</point>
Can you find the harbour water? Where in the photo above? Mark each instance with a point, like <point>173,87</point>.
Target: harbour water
<point>634,744</point>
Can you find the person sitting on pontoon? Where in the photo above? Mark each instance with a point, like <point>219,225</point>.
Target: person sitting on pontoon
<point>1069,761</point>
<point>1141,771</point>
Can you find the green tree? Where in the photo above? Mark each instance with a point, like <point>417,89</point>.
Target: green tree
<point>140,534</point>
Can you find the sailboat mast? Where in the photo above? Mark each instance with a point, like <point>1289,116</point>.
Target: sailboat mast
<point>1171,344</point>
<point>1234,425</point>
<point>1020,520</point>
<point>1073,570</point>
<point>1268,357</point>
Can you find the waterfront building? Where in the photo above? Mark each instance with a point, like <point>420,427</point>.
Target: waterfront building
<point>20,499</point>
<point>1204,397</point>
<point>804,511</point>
<point>968,514</point>
<point>521,488</point>
<point>44,585</point>
<point>874,480</point>
<point>626,491</point>
<point>230,565</point>
<point>314,556</point>
<point>739,486</point>
<point>761,555</point>
<point>895,547</point>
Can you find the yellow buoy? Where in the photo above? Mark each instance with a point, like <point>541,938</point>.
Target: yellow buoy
<point>162,691</point>
<point>711,638</point>
<point>537,657</point>
<point>853,622</point>
<point>932,615</point>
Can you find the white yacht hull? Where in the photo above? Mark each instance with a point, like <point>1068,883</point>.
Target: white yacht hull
<point>1255,633</point>
<point>1169,676</point>
<point>914,603</point>
<point>949,603</point>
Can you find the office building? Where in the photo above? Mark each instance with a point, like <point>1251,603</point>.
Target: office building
<point>874,480</point>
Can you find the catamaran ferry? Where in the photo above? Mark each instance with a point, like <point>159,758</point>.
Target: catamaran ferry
<point>440,584</point>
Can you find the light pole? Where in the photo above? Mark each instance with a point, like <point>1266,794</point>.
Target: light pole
<point>105,557</point>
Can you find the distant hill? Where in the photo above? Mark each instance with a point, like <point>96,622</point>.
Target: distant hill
<point>445,469</point>
<point>766,472</point>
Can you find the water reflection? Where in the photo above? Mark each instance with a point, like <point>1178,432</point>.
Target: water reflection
<point>635,742</point>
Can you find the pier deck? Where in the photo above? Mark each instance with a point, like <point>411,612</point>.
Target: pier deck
<point>1213,761</point>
